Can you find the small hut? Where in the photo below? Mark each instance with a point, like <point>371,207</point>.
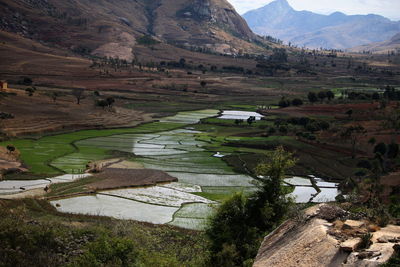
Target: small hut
<point>3,85</point>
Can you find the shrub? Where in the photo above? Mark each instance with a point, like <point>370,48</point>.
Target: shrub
<point>312,97</point>
<point>271,130</point>
<point>365,164</point>
<point>26,81</point>
<point>365,241</point>
<point>393,150</point>
<point>312,137</point>
<point>284,103</point>
<point>297,102</point>
<point>108,251</point>
<point>283,129</point>
<point>380,148</point>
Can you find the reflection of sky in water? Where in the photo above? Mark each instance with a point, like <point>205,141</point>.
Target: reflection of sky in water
<point>158,195</point>
<point>115,207</point>
<point>181,155</point>
<point>304,192</point>
<point>239,115</point>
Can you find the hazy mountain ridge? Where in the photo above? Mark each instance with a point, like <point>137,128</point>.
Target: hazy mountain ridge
<point>112,28</point>
<point>305,28</point>
<point>381,47</point>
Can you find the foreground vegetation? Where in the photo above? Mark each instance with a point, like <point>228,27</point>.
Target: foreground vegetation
<point>241,222</point>
<point>31,231</point>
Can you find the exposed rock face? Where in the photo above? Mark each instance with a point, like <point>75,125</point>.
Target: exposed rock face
<point>317,242</point>
<point>293,245</point>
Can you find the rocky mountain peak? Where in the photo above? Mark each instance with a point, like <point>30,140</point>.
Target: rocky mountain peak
<point>281,5</point>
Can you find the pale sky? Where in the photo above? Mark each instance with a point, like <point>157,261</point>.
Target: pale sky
<point>387,8</point>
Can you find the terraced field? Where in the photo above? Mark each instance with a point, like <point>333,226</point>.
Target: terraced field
<point>177,152</point>
<point>171,145</point>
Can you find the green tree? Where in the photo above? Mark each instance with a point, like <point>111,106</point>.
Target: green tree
<point>372,141</point>
<point>237,228</point>
<point>312,97</point>
<point>297,102</point>
<point>330,95</point>
<point>353,133</point>
<point>349,113</point>
<point>10,148</point>
<point>270,203</point>
<point>79,94</point>
<point>229,234</point>
<point>110,101</point>
<point>322,95</point>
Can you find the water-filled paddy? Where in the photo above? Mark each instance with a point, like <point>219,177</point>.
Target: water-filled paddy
<point>18,186</point>
<point>304,191</point>
<point>239,115</point>
<point>169,145</point>
<point>120,208</point>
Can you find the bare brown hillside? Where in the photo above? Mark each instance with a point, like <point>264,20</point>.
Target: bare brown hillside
<point>114,28</point>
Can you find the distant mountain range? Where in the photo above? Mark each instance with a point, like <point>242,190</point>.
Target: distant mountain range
<point>304,28</point>
<point>380,47</point>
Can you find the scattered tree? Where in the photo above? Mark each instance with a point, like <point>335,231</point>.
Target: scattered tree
<point>251,119</point>
<point>322,95</point>
<point>393,150</point>
<point>330,95</point>
<point>30,91</point>
<point>53,96</point>
<point>312,97</point>
<point>102,103</point>
<point>353,134</point>
<point>79,94</point>
<point>10,149</point>
<point>110,101</point>
<point>349,113</point>
<point>372,141</point>
<point>238,121</point>
<point>297,102</point>
<point>380,148</point>
<point>283,103</point>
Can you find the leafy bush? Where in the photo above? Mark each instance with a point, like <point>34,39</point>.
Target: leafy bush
<point>365,241</point>
<point>108,251</point>
<point>297,102</point>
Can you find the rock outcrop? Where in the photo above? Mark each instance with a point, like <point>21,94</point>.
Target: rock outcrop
<point>316,241</point>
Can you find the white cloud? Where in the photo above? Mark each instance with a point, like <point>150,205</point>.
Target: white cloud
<point>387,8</point>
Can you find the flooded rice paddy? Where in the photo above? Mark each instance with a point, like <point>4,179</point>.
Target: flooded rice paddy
<point>239,115</point>
<point>19,186</point>
<point>203,177</point>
